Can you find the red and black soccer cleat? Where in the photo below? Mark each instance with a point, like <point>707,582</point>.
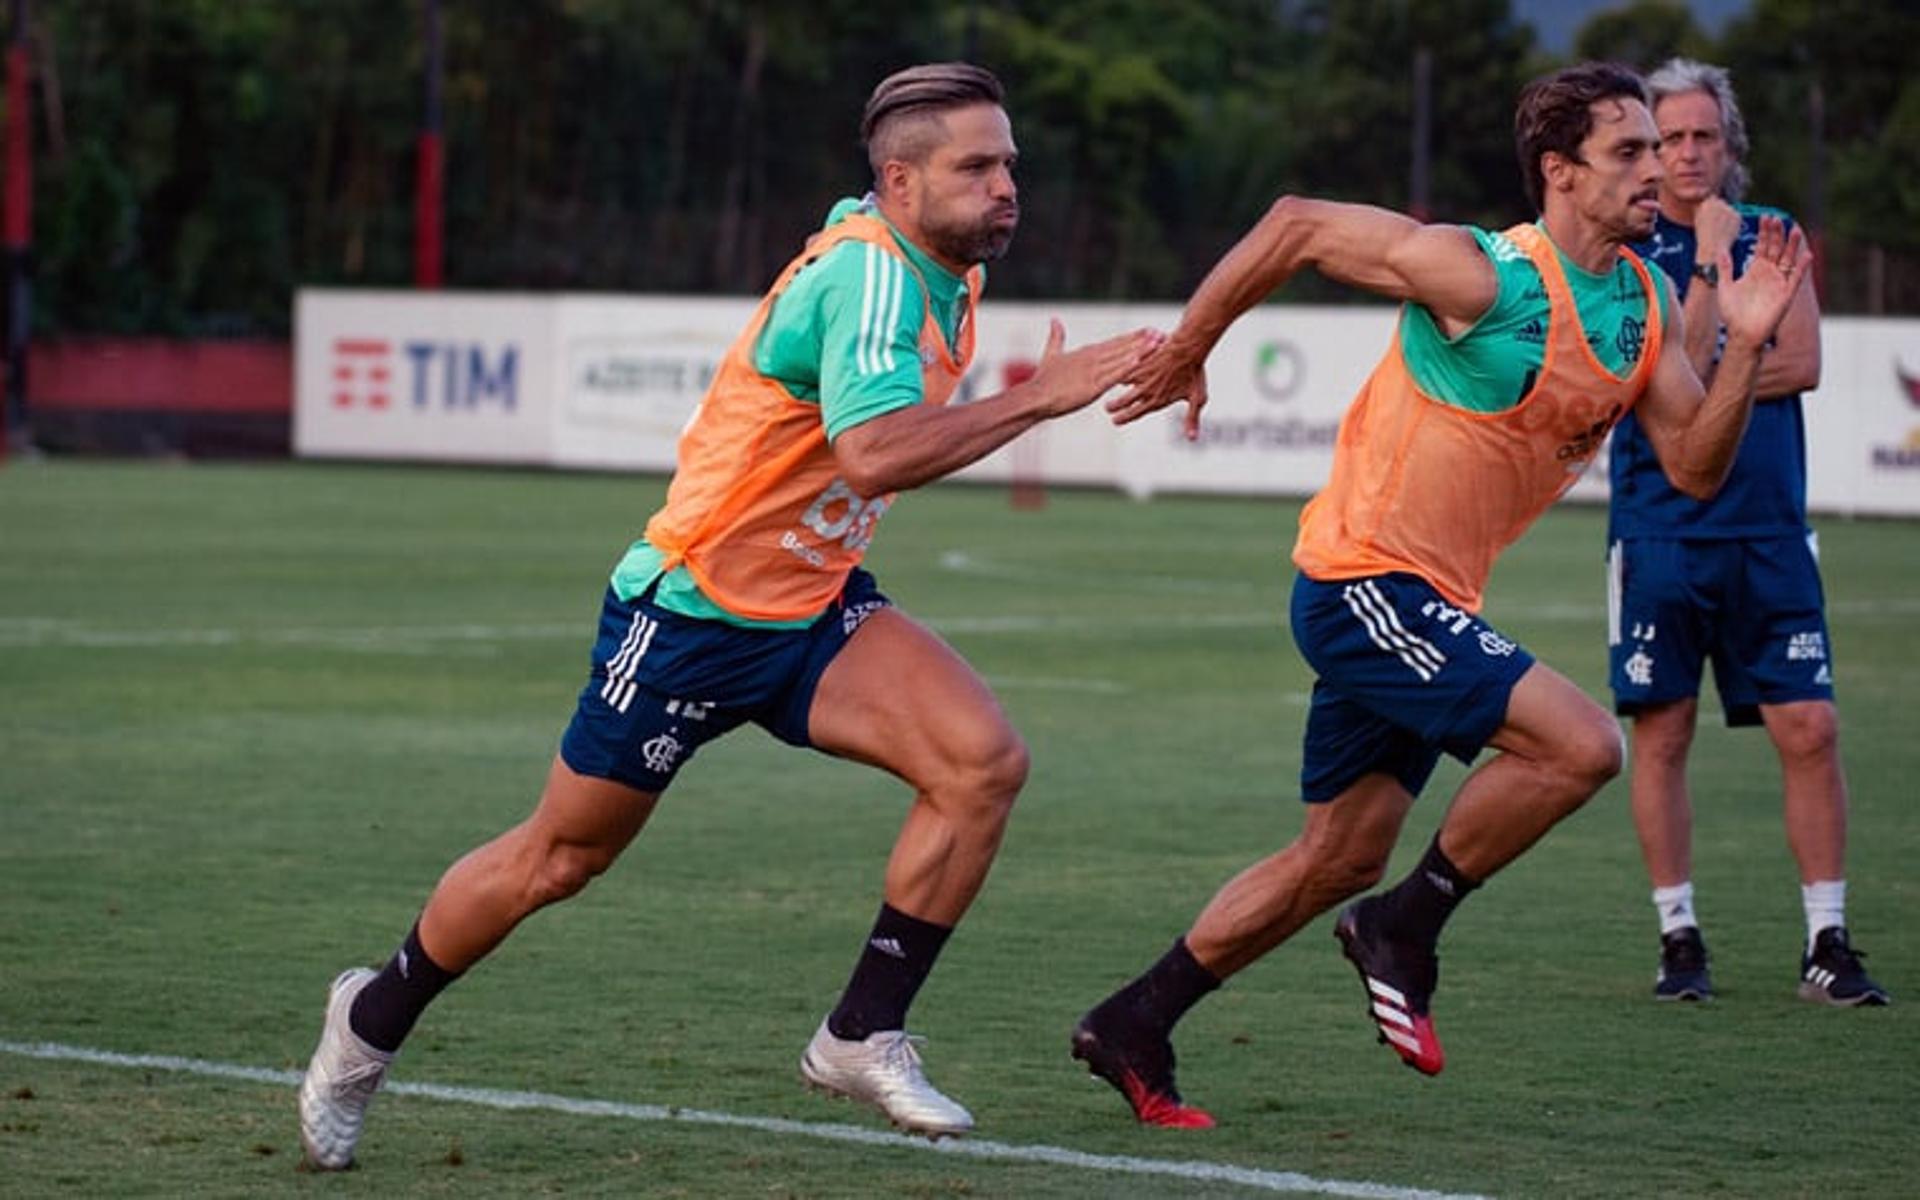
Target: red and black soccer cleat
<point>1140,1067</point>
<point>1399,980</point>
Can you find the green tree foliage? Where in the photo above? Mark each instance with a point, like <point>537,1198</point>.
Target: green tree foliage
<point>1361,103</point>
<point>1876,191</point>
<point>1643,34</point>
<point>199,160</point>
<point>1822,83</point>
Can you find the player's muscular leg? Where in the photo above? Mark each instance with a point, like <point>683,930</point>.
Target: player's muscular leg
<point>899,698</point>
<point>1662,809</point>
<point>579,827</point>
<point>1342,850</point>
<point>1807,734</point>
<point>1557,748</point>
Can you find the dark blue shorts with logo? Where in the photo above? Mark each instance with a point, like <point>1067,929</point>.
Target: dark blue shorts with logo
<point>1403,676</point>
<point>663,684</point>
<point>1753,607</point>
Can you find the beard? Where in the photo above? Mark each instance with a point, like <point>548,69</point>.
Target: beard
<point>979,241</point>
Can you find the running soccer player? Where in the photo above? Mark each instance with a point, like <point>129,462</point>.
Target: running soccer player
<point>1516,353</point>
<point>745,602</point>
<point>1733,579</point>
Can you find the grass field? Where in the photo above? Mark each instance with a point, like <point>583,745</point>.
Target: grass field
<point>249,713</point>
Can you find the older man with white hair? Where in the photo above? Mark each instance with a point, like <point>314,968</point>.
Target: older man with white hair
<point>1732,579</point>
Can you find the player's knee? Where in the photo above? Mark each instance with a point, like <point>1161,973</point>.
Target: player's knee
<point>1012,765</point>
<point>1349,875</point>
<point>1661,753</point>
<point>993,764</point>
<point>1807,732</point>
<point>1337,870</point>
<point>567,869</point>
<point>1003,771</point>
<point>1592,753</point>
<point>1662,737</point>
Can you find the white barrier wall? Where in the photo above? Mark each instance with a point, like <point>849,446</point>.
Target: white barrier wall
<point>608,382</point>
<point>1277,385</point>
<point>1863,425</point>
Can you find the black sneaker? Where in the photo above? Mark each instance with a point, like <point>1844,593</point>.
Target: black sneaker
<point>1139,1065</point>
<point>1399,979</point>
<point>1683,966</point>
<point>1832,974</point>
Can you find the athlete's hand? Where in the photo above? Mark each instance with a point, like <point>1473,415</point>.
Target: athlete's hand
<point>1069,380</point>
<point>1173,373</point>
<point>1752,305</point>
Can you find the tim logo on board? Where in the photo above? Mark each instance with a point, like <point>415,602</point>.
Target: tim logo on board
<point>376,374</point>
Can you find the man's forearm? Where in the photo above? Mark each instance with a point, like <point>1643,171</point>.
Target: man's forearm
<point>1785,370</point>
<point>1702,313</point>
<point>1713,439</point>
<point>918,445</point>
<point>1264,258</point>
<point>1779,378</point>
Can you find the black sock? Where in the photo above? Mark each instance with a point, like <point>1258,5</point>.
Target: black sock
<point>1164,993</point>
<point>385,1010</point>
<point>1415,909</point>
<point>900,952</point>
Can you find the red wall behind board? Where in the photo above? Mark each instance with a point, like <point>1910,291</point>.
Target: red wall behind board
<point>158,375</point>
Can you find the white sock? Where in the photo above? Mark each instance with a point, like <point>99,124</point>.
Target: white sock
<point>1675,905</point>
<point>1826,903</point>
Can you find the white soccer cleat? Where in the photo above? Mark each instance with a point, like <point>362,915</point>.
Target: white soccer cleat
<point>884,1071</point>
<point>341,1080</point>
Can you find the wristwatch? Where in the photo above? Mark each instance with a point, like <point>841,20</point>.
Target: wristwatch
<point>1707,273</point>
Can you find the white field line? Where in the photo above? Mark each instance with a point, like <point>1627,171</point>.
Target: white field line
<point>1288,1182</point>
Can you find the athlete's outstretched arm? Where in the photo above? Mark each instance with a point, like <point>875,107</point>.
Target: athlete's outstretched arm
<point>1695,431</point>
<point>921,443</point>
<point>1438,266</point>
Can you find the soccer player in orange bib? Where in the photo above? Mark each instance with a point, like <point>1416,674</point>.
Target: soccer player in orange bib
<point>1516,353</point>
<point>745,602</point>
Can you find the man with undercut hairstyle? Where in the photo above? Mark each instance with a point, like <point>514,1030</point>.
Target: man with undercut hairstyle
<point>745,601</point>
<point>1516,351</point>
<point>1734,580</point>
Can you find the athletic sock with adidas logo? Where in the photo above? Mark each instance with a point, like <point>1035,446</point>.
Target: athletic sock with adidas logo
<point>385,1010</point>
<point>899,953</point>
<point>1675,905</point>
<point>1416,908</point>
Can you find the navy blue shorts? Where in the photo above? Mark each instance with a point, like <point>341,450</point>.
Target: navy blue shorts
<point>663,684</point>
<point>1754,608</point>
<point>1403,676</point>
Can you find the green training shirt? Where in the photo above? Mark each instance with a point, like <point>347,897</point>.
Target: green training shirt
<point>1492,365</point>
<point>820,343</point>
